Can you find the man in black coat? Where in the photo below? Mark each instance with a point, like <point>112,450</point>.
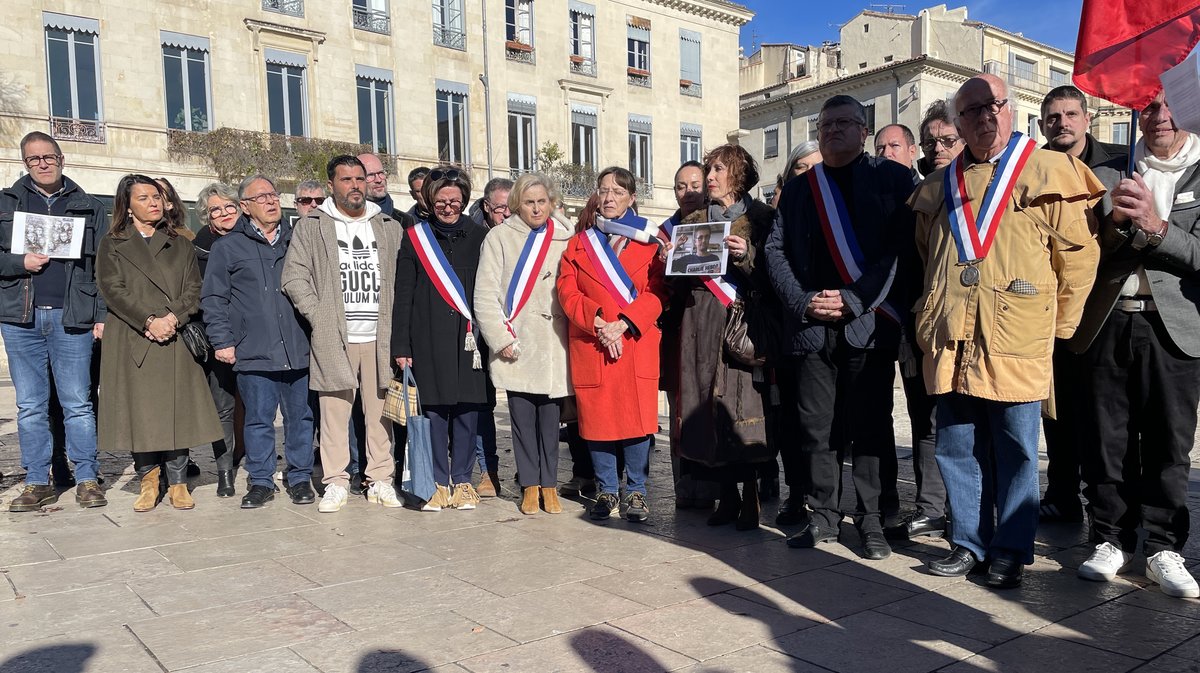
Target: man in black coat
<point>833,260</point>
<point>1065,122</point>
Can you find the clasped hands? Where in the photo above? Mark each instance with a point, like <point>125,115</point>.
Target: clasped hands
<point>1133,202</point>
<point>610,334</point>
<point>826,305</point>
<point>162,329</point>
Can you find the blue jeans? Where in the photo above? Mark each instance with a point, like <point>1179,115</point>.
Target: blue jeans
<point>987,453</point>
<point>485,443</point>
<point>263,393</point>
<point>637,464</point>
<point>34,349</point>
<point>452,438</point>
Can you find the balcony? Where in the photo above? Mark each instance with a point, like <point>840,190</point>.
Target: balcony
<point>583,66</point>
<point>78,130</point>
<point>639,77</point>
<point>514,173</point>
<point>372,20</point>
<point>289,7</point>
<point>689,88</point>
<point>1022,79</point>
<point>450,37</point>
<point>519,52</point>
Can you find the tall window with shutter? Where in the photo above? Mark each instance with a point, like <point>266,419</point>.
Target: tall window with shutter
<point>689,63</point>
<point>638,47</point>
<point>582,37</point>
<point>186,76</point>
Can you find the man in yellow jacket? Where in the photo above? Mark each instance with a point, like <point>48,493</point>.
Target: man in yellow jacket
<point>1006,237</point>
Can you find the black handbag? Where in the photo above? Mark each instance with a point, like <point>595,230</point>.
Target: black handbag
<point>192,335</point>
<point>752,333</point>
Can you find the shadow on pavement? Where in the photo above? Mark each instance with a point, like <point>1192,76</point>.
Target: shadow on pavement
<point>52,659</point>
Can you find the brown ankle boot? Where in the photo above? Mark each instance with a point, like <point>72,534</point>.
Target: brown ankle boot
<point>487,485</point>
<point>148,497</point>
<point>180,498</point>
<point>550,500</point>
<point>529,500</point>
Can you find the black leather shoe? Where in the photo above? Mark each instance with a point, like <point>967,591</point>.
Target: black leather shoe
<point>875,546</point>
<point>1004,573</point>
<point>791,512</point>
<point>257,497</point>
<point>225,484</point>
<point>302,493</point>
<point>193,470</point>
<point>356,485</point>
<point>957,564</point>
<point>921,525</point>
<point>811,536</point>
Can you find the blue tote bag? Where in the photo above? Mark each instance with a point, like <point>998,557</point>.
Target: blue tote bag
<point>418,453</point>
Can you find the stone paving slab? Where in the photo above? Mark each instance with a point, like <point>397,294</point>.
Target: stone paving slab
<point>285,589</point>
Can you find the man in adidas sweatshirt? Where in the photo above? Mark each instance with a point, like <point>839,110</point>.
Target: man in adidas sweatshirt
<point>339,260</point>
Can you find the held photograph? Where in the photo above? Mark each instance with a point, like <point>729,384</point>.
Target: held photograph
<point>60,237</point>
<point>698,249</point>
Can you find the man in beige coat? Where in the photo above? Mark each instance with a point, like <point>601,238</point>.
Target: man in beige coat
<point>1005,233</point>
<point>339,261</point>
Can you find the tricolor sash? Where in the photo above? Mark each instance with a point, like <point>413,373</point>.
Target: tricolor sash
<point>444,280</point>
<point>529,265</point>
<point>669,225</point>
<point>839,234</point>
<point>974,236</point>
<point>722,289</point>
<point>612,274</point>
<point>631,226</point>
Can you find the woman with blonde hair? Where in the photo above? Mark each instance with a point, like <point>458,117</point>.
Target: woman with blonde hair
<point>518,311</point>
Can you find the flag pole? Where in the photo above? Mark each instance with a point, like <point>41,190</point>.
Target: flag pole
<point>1131,164</point>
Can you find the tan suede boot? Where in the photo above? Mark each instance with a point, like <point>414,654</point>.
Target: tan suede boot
<point>550,500</point>
<point>529,500</point>
<point>180,498</point>
<point>148,497</point>
<point>487,486</point>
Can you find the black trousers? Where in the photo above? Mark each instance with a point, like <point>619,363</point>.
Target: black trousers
<point>1063,434</point>
<point>844,399</point>
<point>1141,422</point>
<point>534,420</point>
<point>922,415</point>
<point>783,432</point>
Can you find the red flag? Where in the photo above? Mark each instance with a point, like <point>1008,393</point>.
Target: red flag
<point>1124,45</point>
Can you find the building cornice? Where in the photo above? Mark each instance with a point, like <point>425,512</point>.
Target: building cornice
<point>717,10</point>
<point>600,92</point>
<point>258,27</point>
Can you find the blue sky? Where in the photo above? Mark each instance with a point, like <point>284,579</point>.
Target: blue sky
<point>1054,22</point>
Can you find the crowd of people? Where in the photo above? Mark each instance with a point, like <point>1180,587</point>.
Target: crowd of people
<point>1012,285</point>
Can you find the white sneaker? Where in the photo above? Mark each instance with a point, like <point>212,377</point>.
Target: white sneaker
<point>383,494</point>
<point>335,496</point>
<point>1104,563</point>
<point>1167,570</point>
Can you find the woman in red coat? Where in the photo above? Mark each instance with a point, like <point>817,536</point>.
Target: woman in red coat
<point>611,287</point>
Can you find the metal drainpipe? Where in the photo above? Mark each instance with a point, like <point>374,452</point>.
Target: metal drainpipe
<point>487,92</point>
<point>791,113</point>
<point>896,99</point>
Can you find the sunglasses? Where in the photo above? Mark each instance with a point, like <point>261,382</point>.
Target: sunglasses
<point>310,200</point>
<point>446,173</point>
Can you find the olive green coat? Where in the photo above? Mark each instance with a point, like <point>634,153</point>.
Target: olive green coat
<point>153,397</point>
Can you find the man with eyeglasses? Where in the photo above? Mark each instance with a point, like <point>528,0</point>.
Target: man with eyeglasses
<point>253,327</point>
<point>377,189</point>
<point>832,257</point>
<point>416,180</point>
<point>1064,123</point>
<point>50,316</point>
<point>492,208</point>
<point>309,195</point>
<point>1006,235</point>
<point>939,139</point>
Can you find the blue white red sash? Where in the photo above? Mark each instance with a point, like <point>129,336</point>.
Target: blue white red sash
<point>722,289</point>
<point>839,234</point>
<point>529,265</point>
<point>973,236</point>
<point>442,275</point>
<point>612,274</point>
<point>631,226</point>
<point>669,225</point>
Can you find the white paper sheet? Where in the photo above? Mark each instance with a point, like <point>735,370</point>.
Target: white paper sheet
<point>50,235</point>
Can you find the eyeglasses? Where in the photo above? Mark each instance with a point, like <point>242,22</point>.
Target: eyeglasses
<point>48,159</point>
<point>263,198</point>
<point>615,193</point>
<point>448,205</point>
<point>947,142</point>
<point>227,209</point>
<point>310,200</point>
<point>974,111</point>
<point>377,175</point>
<point>837,124</point>
<point>447,173</point>
<point>502,208</point>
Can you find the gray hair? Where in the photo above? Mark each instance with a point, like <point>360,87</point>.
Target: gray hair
<point>219,189</point>
<point>496,184</point>
<point>310,186</point>
<point>860,112</point>
<point>249,179</point>
<point>800,151</point>
<point>525,182</point>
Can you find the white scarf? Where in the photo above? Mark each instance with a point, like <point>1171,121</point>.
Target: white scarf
<point>1161,175</point>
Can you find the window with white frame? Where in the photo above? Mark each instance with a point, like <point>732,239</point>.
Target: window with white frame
<point>771,142</point>
<point>582,37</point>
<point>371,15</point>
<point>640,160</point>
<point>690,143</point>
<point>1120,133</point>
<point>73,66</point>
<point>583,136</point>
<point>689,62</point>
<point>287,92</point>
<point>518,21</point>
<point>522,133</point>
<point>448,24</point>
<point>638,48</point>
<point>375,116</point>
<point>452,124</point>
<point>812,127</point>
<point>186,78</point>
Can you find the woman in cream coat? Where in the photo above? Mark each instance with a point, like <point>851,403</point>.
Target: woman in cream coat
<point>523,324</point>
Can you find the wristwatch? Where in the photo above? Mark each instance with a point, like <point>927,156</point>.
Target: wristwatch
<point>1153,240</point>
<point>149,320</point>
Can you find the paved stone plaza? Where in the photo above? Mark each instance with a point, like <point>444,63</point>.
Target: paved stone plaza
<point>366,590</point>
